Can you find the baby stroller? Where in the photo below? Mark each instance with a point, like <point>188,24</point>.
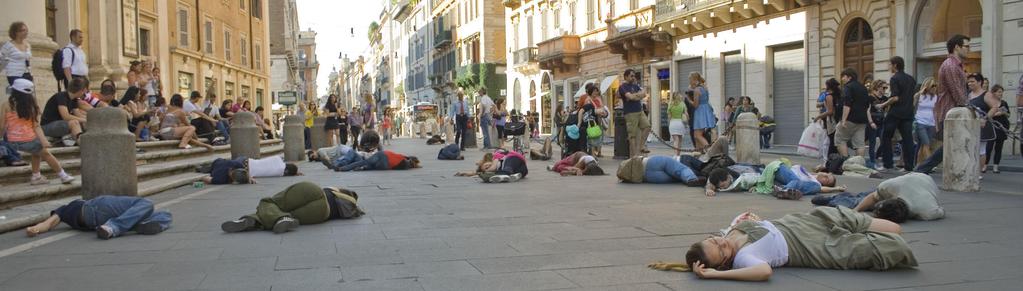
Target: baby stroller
<point>515,129</point>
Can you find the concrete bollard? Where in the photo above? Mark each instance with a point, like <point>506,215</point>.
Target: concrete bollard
<point>317,133</point>
<point>961,157</point>
<point>294,138</point>
<point>108,155</point>
<point>747,139</point>
<point>470,135</point>
<point>244,136</point>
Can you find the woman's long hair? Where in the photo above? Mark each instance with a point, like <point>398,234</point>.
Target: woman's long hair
<point>927,84</point>
<point>25,105</point>
<point>833,88</point>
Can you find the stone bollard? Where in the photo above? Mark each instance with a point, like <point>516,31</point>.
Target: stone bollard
<point>470,135</point>
<point>294,138</point>
<point>747,139</point>
<point>244,136</point>
<point>961,157</point>
<point>317,133</point>
<point>108,155</point>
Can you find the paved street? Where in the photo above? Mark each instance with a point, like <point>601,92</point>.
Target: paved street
<point>428,230</point>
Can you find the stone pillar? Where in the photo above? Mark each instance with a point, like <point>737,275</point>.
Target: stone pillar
<point>961,157</point>
<point>470,134</point>
<point>747,139</point>
<point>108,155</point>
<point>317,133</point>
<point>294,138</point>
<point>244,136</point>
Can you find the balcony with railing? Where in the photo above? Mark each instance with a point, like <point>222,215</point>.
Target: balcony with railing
<point>442,39</point>
<point>525,56</point>
<point>671,9</point>
<point>561,52</point>
<point>632,36</point>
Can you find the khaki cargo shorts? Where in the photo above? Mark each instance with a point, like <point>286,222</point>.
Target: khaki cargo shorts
<point>636,122</point>
<point>851,132</point>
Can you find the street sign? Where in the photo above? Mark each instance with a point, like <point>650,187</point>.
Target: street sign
<point>287,98</point>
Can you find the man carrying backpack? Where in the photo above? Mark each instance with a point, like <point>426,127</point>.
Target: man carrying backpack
<point>69,62</point>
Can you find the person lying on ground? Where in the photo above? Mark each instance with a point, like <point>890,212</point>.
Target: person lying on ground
<point>910,196</point>
<point>499,166</point>
<point>825,238</point>
<point>383,160</point>
<point>300,204</point>
<point>855,166</point>
<point>242,170</point>
<point>109,216</point>
<point>577,164</point>
<point>434,140</point>
<point>658,170</point>
<point>776,178</point>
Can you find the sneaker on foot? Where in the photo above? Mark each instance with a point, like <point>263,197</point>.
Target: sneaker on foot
<point>514,177</point>
<point>239,225</point>
<point>285,224</point>
<point>104,232</point>
<point>38,180</point>
<point>66,179</point>
<point>787,194</point>
<point>148,228</point>
<point>499,179</point>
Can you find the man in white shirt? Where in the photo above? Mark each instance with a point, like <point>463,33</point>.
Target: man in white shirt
<point>272,167</point>
<point>485,106</point>
<point>74,58</point>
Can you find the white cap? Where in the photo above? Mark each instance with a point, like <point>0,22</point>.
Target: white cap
<point>23,86</point>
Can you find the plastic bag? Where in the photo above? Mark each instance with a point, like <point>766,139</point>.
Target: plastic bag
<point>814,142</point>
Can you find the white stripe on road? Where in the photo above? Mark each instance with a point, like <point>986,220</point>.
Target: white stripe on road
<point>69,233</point>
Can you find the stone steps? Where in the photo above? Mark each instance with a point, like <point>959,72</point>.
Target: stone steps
<point>187,160</point>
<point>156,152</point>
<point>19,217</point>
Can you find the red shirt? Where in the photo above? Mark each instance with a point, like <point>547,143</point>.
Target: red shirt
<point>393,159</point>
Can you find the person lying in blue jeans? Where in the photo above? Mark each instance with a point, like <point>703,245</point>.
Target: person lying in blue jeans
<point>793,182</point>
<point>109,216</point>
<point>664,169</point>
<point>383,160</point>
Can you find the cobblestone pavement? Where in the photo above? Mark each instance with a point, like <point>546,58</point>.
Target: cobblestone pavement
<point>428,230</point>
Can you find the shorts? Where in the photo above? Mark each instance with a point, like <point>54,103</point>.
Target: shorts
<point>924,133</point>
<point>851,132</point>
<point>595,142</point>
<point>32,146</point>
<point>168,133</point>
<point>58,128</point>
<point>636,122</point>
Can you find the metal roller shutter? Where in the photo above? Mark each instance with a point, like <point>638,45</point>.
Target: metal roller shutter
<point>683,68</point>
<point>789,95</point>
<point>733,76</point>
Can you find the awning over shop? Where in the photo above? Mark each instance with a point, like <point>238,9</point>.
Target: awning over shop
<point>608,82</point>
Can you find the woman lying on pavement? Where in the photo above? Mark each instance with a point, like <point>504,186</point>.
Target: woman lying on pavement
<point>577,164</point>
<point>499,166</point>
<point>825,238</point>
<point>301,203</point>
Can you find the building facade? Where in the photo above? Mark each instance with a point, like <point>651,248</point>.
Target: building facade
<point>205,46</point>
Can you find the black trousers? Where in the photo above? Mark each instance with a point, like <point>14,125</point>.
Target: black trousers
<point>994,148</point>
<point>461,122</point>
<point>355,131</point>
<point>905,128</point>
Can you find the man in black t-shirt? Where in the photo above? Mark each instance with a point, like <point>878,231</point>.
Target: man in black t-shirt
<point>855,119</point>
<point>901,115</point>
<point>60,117</point>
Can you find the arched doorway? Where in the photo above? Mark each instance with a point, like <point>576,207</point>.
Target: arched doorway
<point>516,95</point>
<point>532,96</point>
<point>858,47</point>
<point>939,20</point>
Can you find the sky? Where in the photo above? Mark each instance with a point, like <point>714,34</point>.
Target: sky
<point>333,21</point>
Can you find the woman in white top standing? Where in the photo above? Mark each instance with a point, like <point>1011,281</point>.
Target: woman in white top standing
<point>16,53</point>
<point>924,129</point>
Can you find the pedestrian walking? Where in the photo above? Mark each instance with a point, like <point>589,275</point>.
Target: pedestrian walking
<point>331,125</point>
<point>703,115</point>
<point>855,118</point>
<point>951,92</point>
<point>900,116</point>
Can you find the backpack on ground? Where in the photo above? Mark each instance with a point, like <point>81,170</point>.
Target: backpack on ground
<point>450,152</point>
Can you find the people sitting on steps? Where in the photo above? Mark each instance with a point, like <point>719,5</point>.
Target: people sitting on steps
<point>109,216</point>
<point>61,118</point>
<point>20,126</point>
<point>303,203</point>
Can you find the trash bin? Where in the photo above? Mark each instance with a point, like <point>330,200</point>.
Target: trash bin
<point>621,135</point>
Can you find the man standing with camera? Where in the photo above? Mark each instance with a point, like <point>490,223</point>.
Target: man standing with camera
<point>636,122</point>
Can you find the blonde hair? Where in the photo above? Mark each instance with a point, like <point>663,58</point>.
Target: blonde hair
<point>696,76</point>
<point>927,84</point>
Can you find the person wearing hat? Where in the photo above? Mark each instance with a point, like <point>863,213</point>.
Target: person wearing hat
<point>109,216</point>
<point>300,204</point>
<point>20,126</point>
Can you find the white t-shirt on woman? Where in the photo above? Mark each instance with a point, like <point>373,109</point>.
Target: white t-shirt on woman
<point>14,60</point>
<point>770,249</point>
